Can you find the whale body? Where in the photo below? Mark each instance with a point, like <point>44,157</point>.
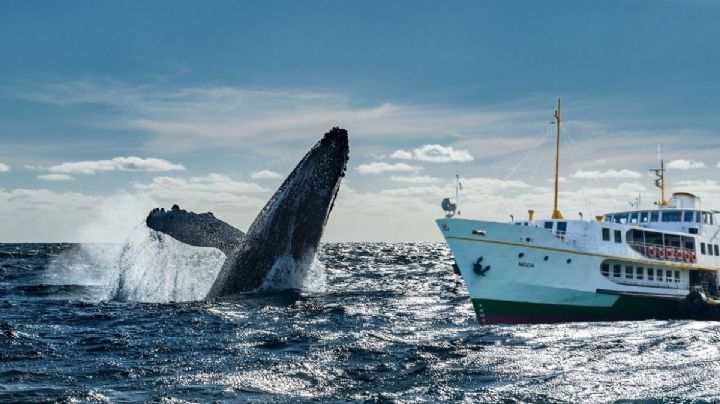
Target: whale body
<point>285,234</point>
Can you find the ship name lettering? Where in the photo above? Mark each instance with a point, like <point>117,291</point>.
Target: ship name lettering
<point>526,264</point>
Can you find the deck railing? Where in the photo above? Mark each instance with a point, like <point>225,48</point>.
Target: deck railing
<point>664,253</point>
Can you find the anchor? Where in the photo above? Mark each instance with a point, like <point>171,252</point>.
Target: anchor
<point>478,268</point>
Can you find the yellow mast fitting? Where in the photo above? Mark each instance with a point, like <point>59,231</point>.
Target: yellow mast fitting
<point>660,182</point>
<point>556,213</point>
<point>531,214</point>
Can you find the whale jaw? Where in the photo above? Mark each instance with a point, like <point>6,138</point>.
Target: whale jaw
<point>286,233</point>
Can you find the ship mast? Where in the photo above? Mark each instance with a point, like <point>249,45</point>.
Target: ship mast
<point>660,182</point>
<point>556,213</point>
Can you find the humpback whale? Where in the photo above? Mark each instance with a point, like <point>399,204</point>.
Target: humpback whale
<point>285,234</point>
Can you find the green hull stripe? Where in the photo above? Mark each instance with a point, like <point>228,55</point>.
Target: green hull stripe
<point>626,307</point>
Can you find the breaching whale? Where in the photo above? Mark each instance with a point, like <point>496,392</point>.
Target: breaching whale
<point>286,233</point>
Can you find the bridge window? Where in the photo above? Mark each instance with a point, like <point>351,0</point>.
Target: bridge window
<point>618,236</point>
<point>606,234</point>
<point>688,216</point>
<point>671,216</point>
<point>717,250</point>
<point>639,273</point>
<point>651,274</point>
<point>549,225</point>
<point>697,217</point>
<point>617,269</point>
<point>634,217</point>
<point>644,217</point>
<point>605,269</point>
<point>654,216</point>
<point>702,248</point>
<point>562,226</point>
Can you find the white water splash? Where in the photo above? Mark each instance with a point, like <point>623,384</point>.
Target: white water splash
<point>154,267</point>
<point>148,266</point>
<point>301,275</point>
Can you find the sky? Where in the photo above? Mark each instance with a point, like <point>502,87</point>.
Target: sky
<point>109,109</point>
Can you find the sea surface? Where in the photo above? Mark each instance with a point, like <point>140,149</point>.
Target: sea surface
<point>380,322</point>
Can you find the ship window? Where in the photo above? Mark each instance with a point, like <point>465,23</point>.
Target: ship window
<point>711,218</point>
<point>622,218</point>
<point>617,269</point>
<point>705,218</point>
<point>673,216</point>
<point>634,217</point>
<point>548,225</point>
<point>690,244</point>
<point>702,248</point>
<point>660,275</point>
<point>654,216</point>
<point>644,217</point>
<point>717,250</point>
<point>562,226</point>
<point>639,273</point>
<point>618,236</point>
<point>688,216</point>
<point>668,275</point>
<point>605,269</point>
<point>710,249</point>
<point>697,217</point>
<point>628,272</point>
<point>606,234</point>
<point>677,276</point>
<point>651,274</point>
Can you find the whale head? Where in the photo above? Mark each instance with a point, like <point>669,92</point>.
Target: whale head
<point>286,233</point>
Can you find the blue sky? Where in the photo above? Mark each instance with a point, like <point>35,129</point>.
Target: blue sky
<point>183,101</point>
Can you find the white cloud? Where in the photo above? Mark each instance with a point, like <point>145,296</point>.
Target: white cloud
<point>202,192</point>
<point>606,174</point>
<point>402,155</point>
<point>380,167</point>
<point>434,153</point>
<point>116,164</point>
<point>56,177</point>
<point>416,179</point>
<point>683,164</point>
<point>4,168</point>
<point>265,175</point>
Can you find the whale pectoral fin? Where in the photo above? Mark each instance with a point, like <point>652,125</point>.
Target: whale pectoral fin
<point>199,230</point>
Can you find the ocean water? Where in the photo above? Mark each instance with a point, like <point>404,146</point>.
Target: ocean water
<point>376,322</point>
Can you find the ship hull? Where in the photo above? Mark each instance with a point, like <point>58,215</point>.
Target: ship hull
<point>525,275</point>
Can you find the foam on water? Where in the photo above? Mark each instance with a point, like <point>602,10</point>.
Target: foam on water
<point>155,268</point>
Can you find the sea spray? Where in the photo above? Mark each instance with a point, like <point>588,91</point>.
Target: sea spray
<point>154,267</point>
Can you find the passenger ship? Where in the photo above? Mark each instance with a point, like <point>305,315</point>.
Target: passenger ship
<point>642,264</point>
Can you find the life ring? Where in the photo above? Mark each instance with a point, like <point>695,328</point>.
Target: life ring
<point>670,253</point>
<point>688,256</point>
<point>693,256</point>
<point>679,255</point>
<point>661,253</point>
<point>651,251</point>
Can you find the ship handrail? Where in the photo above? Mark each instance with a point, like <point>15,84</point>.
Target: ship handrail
<point>642,248</point>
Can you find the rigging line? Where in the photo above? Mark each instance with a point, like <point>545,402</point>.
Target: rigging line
<point>579,153</point>
<point>542,138</point>
<point>540,159</point>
